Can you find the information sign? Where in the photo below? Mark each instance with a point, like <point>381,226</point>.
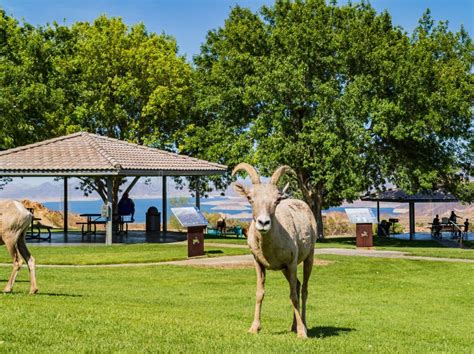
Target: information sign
<point>189,216</point>
<point>360,215</point>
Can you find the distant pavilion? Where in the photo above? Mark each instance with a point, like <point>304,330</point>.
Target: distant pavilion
<point>90,155</point>
<point>400,196</point>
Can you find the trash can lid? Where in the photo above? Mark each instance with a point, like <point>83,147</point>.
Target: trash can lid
<point>152,211</point>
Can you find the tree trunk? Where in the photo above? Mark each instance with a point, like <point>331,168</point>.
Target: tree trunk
<point>317,209</point>
<point>312,195</point>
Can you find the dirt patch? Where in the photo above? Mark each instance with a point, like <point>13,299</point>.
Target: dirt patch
<point>322,262</point>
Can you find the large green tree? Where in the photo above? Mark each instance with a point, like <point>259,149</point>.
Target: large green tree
<point>345,98</point>
<point>104,77</point>
<point>129,84</point>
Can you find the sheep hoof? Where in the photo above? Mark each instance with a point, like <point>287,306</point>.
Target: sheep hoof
<point>33,291</point>
<point>254,329</point>
<point>302,334</point>
<point>7,291</point>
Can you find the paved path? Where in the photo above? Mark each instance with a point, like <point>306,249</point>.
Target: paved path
<point>244,260</point>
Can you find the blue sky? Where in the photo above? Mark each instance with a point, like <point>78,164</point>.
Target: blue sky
<point>189,20</point>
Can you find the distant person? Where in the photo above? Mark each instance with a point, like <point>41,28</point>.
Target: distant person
<point>436,226</point>
<point>466,226</point>
<point>126,206</point>
<point>384,229</point>
<point>453,217</point>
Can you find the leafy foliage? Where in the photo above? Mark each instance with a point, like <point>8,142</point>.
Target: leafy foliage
<point>337,93</point>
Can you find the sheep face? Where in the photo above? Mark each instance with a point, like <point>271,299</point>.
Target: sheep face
<point>264,199</point>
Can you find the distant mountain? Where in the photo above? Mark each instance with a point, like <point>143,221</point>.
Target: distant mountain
<point>53,191</point>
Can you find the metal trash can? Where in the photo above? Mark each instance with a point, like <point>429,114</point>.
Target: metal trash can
<point>153,220</point>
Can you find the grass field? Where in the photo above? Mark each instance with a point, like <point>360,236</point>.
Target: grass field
<point>355,305</point>
<point>429,248</point>
<point>120,253</point>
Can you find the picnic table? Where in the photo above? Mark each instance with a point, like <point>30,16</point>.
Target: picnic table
<point>89,227</point>
<point>452,228</point>
<point>36,224</point>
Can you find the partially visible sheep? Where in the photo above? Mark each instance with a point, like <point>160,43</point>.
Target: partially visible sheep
<point>281,235</point>
<point>15,220</point>
<point>221,224</point>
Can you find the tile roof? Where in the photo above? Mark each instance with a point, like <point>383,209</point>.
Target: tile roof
<point>83,154</point>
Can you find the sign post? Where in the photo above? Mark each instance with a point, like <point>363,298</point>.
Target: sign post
<point>363,218</point>
<point>195,222</point>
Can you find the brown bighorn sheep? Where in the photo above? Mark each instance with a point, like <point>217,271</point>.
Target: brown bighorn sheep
<point>14,222</point>
<point>281,235</point>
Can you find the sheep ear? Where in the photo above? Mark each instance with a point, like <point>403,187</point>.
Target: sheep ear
<point>239,188</point>
<point>284,191</point>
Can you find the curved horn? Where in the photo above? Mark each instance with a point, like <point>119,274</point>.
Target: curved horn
<point>249,169</point>
<point>280,171</point>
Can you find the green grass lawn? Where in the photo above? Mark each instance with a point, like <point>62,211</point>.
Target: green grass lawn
<point>355,305</point>
<point>120,253</point>
<point>429,248</point>
<point>226,239</point>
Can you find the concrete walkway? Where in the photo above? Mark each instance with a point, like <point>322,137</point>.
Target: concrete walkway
<point>246,260</point>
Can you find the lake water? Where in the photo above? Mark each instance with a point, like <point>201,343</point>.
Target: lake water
<point>142,205</point>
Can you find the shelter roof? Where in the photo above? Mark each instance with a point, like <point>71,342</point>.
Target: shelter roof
<point>86,154</point>
<point>400,196</point>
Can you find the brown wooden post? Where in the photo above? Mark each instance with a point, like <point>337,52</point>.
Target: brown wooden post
<point>364,237</point>
<point>195,241</point>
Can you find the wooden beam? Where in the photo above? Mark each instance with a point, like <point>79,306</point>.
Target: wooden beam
<point>411,212</point>
<point>130,187</point>
<point>109,228</point>
<point>164,207</point>
<point>378,212</point>
<point>198,196</point>
<point>65,216</point>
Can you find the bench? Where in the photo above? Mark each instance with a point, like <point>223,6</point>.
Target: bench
<point>38,226</point>
<point>236,230</point>
<point>90,227</point>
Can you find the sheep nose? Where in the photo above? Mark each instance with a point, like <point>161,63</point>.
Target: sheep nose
<point>263,222</point>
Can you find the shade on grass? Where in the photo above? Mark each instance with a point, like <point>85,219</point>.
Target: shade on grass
<point>355,305</point>
<point>135,253</point>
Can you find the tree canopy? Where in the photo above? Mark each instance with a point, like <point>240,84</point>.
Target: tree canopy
<point>348,100</point>
<point>338,93</point>
<point>104,77</point>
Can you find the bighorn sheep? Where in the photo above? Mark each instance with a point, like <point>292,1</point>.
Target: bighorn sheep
<point>281,235</point>
<point>221,224</point>
<point>14,222</point>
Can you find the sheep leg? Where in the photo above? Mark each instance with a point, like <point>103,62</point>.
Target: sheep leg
<point>298,287</point>
<point>307,269</point>
<point>259,297</point>
<point>290,275</point>
<point>30,261</point>
<point>17,262</point>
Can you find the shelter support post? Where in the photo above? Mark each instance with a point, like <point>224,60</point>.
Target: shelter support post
<point>164,207</point>
<point>65,217</point>
<point>411,212</point>
<point>198,196</point>
<point>109,228</point>
<point>378,212</point>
